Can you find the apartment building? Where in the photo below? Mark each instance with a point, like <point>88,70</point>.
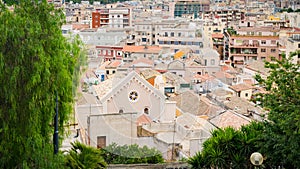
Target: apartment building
<point>112,17</point>
<point>79,13</point>
<point>226,16</point>
<point>293,45</point>
<point>181,36</point>
<point>190,8</point>
<point>251,43</point>
<point>172,33</point>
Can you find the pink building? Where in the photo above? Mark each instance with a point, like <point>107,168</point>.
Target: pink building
<point>110,52</point>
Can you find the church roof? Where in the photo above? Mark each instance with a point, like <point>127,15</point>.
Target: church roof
<point>126,80</point>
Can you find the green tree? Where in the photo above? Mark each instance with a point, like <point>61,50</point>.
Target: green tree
<point>228,148</point>
<point>131,154</point>
<point>82,156</point>
<point>36,62</point>
<point>281,135</point>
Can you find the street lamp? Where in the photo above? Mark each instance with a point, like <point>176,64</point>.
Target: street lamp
<point>256,159</point>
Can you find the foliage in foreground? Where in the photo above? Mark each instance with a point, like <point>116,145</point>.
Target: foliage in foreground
<point>131,154</point>
<point>280,144</point>
<point>82,156</point>
<point>228,148</point>
<point>277,138</point>
<point>36,63</point>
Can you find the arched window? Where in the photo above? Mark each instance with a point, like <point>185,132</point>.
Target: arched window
<point>146,110</point>
<point>121,111</point>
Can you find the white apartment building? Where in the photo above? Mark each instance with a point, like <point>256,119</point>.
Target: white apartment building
<point>172,33</point>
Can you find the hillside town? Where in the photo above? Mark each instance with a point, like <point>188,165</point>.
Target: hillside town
<point>166,73</point>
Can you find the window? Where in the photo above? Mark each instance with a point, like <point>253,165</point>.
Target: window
<point>299,45</point>
<point>113,71</point>
<point>144,39</point>
<point>107,72</point>
<point>146,110</point>
<point>259,33</point>
<point>133,96</point>
<point>108,52</point>
<point>263,42</point>
<point>212,61</point>
<point>121,111</point>
<point>166,34</point>
<point>263,58</point>
<point>273,58</point>
<point>246,94</point>
<point>273,42</point>
<point>196,43</point>
<point>179,34</point>
<point>263,50</point>
<point>172,34</point>
<point>101,141</point>
<point>273,50</point>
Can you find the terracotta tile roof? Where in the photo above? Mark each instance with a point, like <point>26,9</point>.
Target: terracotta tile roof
<point>143,119</point>
<point>242,106</point>
<point>228,68</point>
<point>143,60</point>
<point>229,118</point>
<point>148,73</point>
<point>188,102</point>
<point>77,26</point>
<point>217,35</point>
<point>258,66</point>
<point>104,64</point>
<point>220,75</point>
<point>241,87</point>
<point>142,49</point>
<point>250,37</point>
<point>248,82</point>
<point>114,64</point>
<point>203,77</point>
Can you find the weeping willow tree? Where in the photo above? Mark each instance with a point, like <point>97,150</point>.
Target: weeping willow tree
<point>36,64</point>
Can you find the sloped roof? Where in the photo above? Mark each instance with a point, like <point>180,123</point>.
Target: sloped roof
<point>143,119</point>
<point>176,64</point>
<point>192,122</point>
<point>189,102</point>
<point>142,49</point>
<point>230,118</point>
<point>242,106</point>
<point>148,73</point>
<point>241,87</point>
<point>126,80</point>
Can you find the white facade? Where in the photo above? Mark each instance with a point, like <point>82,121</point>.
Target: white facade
<point>128,100</point>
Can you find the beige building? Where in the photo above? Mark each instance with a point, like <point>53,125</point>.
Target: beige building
<point>131,98</point>
<point>242,90</point>
<point>251,43</point>
<point>293,45</point>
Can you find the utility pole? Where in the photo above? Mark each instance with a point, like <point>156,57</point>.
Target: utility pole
<point>55,135</point>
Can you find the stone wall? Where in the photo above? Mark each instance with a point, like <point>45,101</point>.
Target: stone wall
<point>175,165</point>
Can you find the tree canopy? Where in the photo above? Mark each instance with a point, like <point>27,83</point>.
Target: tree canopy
<point>228,148</point>
<point>131,154</point>
<point>276,138</point>
<point>36,62</point>
<point>281,135</point>
<point>82,156</point>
